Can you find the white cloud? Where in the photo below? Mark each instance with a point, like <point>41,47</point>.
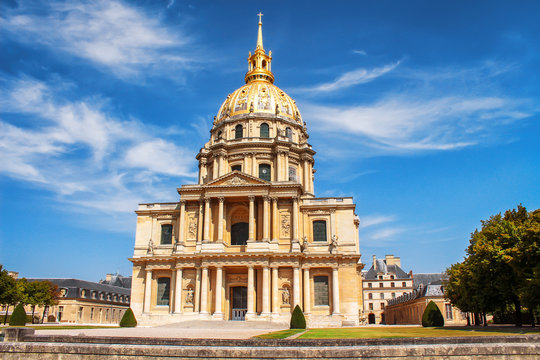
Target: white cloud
<point>83,154</point>
<point>351,78</point>
<point>404,124</point>
<point>111,34</point>
<point>360,52</point>
<point>372,220</point>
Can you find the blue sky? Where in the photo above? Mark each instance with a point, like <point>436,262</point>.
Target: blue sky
<point>425,111</point>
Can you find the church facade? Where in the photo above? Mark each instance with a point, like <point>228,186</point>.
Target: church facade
<point>250,240</point>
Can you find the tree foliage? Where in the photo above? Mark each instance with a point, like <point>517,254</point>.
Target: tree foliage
<point>432,316</point>
<point>128,320</point>
<point>502,267</point>
<point>18,317</point>
<point>298,321</point>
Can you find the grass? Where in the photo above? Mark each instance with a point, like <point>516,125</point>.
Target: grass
<point>399,332</point>
<point>282,334</point>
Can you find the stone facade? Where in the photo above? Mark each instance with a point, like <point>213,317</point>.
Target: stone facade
<point>385,280</point>
<point>250,240</point>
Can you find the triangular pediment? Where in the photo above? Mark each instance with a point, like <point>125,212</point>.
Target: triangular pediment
<point>236,178</point>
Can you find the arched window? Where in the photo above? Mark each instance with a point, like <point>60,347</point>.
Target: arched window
<point>163,290</point>
<point>238,132</point>
<point>239,233</point>
<point>264,172</point>
<point>219,135</point>
<point>292,173</point>
<point>166,234</point>
<point>265,130</point>
<point>288,133</point>
<point>264,64</point>
<point>319,230</point>
<point>321,290</point>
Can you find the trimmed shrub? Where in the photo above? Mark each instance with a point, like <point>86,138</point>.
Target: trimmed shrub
<point>128,320</point>
<point>18,317</point>
<point>432,316</point>
<point>298,321</point>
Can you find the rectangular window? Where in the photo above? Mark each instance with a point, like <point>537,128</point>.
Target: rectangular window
<point>292,173</point>
<point>448,308</point>
<point>369,285</point>
<point>80,312</point>
<point>392,284</point>
<point>404,284</point>
<point>321,290</point>
<point>163,291</point>
<point>319,230</point>
<point>370,306</point>
<point>381,285</point>
<point>91,313</point>
<point>382,295</point>
<point>393,295</point>
<point>382,306</point>
<point>236,168</point>
<point>166,234</point>
<point>264,172</point>
<point>370,296</point>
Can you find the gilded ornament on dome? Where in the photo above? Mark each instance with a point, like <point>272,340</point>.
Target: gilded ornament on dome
<point>264,99</point>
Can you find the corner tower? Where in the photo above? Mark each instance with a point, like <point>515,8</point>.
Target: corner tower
<point>250,240</point>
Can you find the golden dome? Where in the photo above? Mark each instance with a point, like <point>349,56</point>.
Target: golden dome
<point>259,95</point>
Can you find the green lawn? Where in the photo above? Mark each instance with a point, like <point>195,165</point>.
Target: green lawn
<point>282,334</point>
<point>394,332</point>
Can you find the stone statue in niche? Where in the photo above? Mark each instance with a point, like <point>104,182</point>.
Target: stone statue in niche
<point>192,227</point>
<point>286,296</point>
<point>189,296</point>
<point>150,248</point>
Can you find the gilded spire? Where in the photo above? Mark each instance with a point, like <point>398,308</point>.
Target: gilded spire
<point>259,64</point>
<point>259,37</point>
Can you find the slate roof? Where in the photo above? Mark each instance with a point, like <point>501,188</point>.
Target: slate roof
<point>118,280</point>
<point>386,269</point>
<point>74,287</point>
<point>428,278</point>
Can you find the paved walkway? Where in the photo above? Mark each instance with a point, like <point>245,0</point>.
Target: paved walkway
<point>186,329</point>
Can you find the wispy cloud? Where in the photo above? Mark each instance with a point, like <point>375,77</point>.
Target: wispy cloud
<point>111,34</point>
<point>80,152</point>
<point>371,220</point>
<point>348,79</point>
<point>360,52</point>
<point>405,124</point>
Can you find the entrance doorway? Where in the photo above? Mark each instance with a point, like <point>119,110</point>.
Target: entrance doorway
<point>371,318</point>
<point>239,302</point>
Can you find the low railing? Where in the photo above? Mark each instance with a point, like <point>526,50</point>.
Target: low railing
<point>239,314</point>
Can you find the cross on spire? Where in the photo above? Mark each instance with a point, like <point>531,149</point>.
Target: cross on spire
<point>260,17</point>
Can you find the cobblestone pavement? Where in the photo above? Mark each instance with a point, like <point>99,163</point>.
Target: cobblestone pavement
<point>187,329</point>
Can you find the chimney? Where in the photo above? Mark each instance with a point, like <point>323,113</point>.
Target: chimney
<point>375,263</point>
<point>108,277</point>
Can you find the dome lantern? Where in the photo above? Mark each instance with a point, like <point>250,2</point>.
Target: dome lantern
<point>259,64</point>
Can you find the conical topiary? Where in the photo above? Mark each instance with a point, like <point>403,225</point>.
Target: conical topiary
<point>298,321</point>
<point>128,320</point>
<point>432,316</point>
<point>18,316</point>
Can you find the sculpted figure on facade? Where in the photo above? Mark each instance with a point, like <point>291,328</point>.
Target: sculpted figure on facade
<point>286,296</point>
<point>189,296</point>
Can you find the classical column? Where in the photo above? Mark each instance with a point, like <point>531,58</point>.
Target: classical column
<point>250,289</point>
<point>215,168</point>
<point>278,166</point>
<point>222,170</point>
<point>306,176</point>
<point>275,227</point>
<point>251,218</point>
<point>204,291</point>
<point>254,165</point>
<point>296,286</point>
<point>219,285</point>
<point>172,292</point>
<point>182,222</point>
<point>200,221</point>
<point>266,219</point>
<point>266,291</point>
<point>220,220</point>
<point>335,292</point>
<point>295,219</point>
<point>196,305</point>
<point>148,290</point>
<point>206,236</point>
<point>245,167</point>
<point>275,291</point>
<point>286,166</point>
<point>307,293</point>
<point>178,291</point>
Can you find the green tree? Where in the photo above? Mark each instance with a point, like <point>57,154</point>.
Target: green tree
<point>9,293</point>
<point>432,316</point>
<point>39,293</point>
<point>502,266</point>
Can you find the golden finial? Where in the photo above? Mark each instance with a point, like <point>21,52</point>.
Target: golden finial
<point>259,37</point>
